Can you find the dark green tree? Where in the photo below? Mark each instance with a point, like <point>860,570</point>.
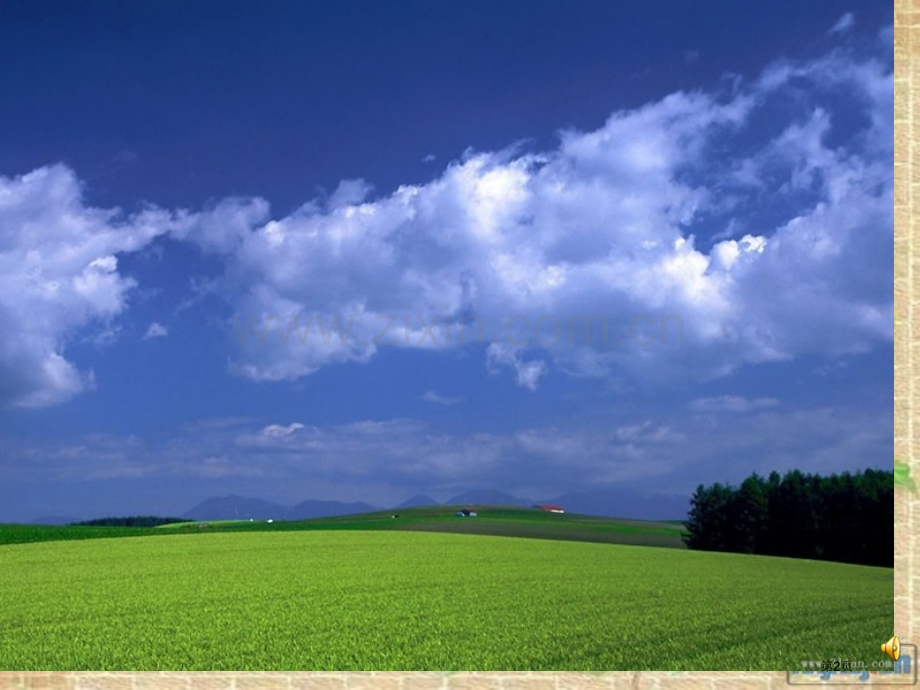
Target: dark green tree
<point>842,517</point>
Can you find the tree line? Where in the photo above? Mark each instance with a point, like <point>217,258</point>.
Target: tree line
<point>134,521</point>
<point>843,517</point>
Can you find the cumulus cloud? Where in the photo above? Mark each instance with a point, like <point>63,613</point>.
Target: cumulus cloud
<point>611,223</point>
<point>603,225</point>
<point>156,330</point>
<point>59,275</point>
<point>527,374</point>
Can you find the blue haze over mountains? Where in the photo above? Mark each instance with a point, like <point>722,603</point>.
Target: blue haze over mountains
<point>622,504</point>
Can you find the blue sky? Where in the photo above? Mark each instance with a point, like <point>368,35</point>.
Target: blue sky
<point>168,168</point>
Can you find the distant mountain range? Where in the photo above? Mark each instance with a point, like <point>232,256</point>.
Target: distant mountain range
<point>601,502</point>
<point>418,501</point>
<point>487,497</point>
<point>239,508</point>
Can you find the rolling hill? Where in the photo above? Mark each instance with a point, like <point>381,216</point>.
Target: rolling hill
<point>388,600</point>
<point>491,521</point>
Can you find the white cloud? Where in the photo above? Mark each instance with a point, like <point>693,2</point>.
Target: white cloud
<point>675,450</point>
<point>279,431</point>
<point>156,330</point>
<point>106,335</point>
<point>438,399</point>
<point>842,25</point>
<point>527,374</point>
<point>605,224</point>
<point>58,276</point>
<point>599,226</point>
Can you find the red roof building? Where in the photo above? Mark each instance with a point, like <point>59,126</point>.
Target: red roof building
<point>552,509</point>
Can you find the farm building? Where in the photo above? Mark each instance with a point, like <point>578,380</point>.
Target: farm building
<point>466,512</point>
<point>551,509</point>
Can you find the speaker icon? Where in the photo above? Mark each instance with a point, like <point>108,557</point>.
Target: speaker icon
<point>892,648</point>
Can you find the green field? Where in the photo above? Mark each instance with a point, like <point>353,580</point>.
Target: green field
<point>492,520</point>
<point>26,534</point>
<point>305,598</point>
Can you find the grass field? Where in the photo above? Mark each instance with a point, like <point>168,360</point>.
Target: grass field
<point>388,599</point>
<point>26,534</point>
<point>492,520</point>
